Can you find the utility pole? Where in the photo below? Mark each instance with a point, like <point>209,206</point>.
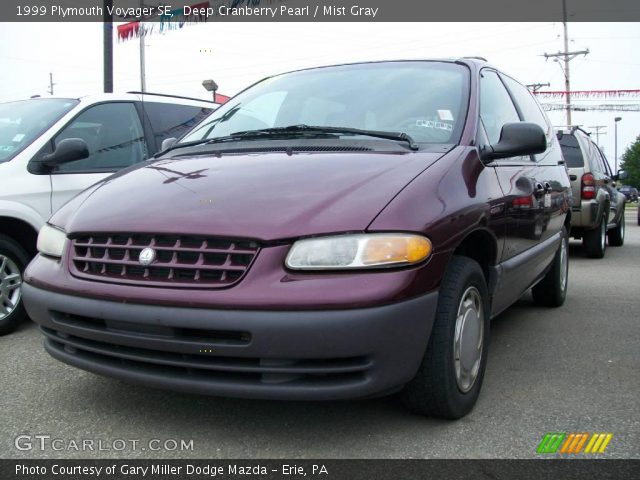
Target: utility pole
<point>597,129</point>
<point>537,86</point>
<point>107,48</point>
<point>567,56</point>
<point>51,84</point>
<point>615,155</point>
<point>143,77</point>
<point>142,34</point>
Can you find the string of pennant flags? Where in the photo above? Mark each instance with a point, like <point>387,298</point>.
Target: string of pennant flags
<point>174,20</point>
<point>589,94</point>
<point>177,19</point>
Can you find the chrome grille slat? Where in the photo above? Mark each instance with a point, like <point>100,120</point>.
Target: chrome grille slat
<point>188,261</point>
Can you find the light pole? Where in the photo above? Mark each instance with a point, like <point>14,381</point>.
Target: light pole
<point>615,154</point>
<point>210,86</point>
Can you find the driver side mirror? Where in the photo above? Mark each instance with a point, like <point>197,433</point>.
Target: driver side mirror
<point>168,143</point>
<point>516,139</point>
<point>621,175</point>
<point>68,150</point>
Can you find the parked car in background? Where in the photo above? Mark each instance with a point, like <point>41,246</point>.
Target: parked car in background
<point>52,148</point>
<point>317,237</point>
<point>598,207</point>
<point>631,193</point>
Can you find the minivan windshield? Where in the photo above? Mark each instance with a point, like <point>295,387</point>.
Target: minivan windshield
<point>424,99</point>
<point>23,121</point>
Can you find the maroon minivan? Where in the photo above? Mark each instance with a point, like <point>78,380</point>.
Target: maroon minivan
<point>330,233</point>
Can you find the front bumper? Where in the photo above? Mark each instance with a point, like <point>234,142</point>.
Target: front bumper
<point>297,355</point>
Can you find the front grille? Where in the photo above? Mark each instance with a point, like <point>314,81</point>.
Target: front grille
<point>181,260</point>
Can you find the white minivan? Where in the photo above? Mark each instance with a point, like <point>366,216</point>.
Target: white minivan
<point>52,148</point>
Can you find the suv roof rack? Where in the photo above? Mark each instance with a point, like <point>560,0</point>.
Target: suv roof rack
<point>172,96</point>
<point>578,127</point>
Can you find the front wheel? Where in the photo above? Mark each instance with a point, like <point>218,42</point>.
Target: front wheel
<point>616,235</point>
<point>13,260</point>
<point>551,291</point>
<point>448,381</point>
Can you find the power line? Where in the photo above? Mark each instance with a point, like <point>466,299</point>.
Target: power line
<point>567,56</point>
<point>537,86</point>
<point>597,131</point>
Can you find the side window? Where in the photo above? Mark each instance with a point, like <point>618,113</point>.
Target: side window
<point>595,161</point>
<point>605,163</point>
<point>496,107</point>
<point>170,120</point>
<point>113,134</point>
<point>528,105</point>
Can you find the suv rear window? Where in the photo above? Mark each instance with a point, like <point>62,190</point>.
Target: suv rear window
<point>571,151</point>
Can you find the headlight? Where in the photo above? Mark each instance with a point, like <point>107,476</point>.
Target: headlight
<point>51,241</point>
<point>358,251</point>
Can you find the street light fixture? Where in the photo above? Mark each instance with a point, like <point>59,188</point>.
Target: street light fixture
<point>210,86</point>
<point>616,120</point>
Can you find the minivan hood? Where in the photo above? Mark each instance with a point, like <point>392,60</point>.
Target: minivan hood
<point>264,196</point>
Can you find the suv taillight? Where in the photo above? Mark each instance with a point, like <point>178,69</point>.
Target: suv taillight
<point>588,187</point>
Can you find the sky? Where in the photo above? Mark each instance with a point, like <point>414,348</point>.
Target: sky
<point>236,55</point>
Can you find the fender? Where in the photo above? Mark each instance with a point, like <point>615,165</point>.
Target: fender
<point>20,211</point>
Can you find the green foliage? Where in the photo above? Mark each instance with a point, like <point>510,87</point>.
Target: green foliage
<point>631,163</point>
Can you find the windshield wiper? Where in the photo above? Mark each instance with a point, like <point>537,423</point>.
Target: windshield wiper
<point>202,141</point>
<point>315,129</point>
<point>294,130</point>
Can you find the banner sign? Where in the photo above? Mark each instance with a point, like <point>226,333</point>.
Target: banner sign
<point>168,20</point>
<point>588,94</point>
<point>290,469</point>
<point>184,12</point>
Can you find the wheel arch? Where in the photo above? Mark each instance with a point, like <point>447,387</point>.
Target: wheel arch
<point>567,222</point>
<point>25,234</point>
<point>482,246</point>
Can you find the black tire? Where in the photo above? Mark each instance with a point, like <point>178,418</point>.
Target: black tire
<point>616,235</point>
<point>551,291</point>
<point>595,241</point>
<point>435,390</point>
<point>12,257</point>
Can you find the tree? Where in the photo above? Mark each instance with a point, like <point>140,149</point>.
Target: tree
<point>631,163</point>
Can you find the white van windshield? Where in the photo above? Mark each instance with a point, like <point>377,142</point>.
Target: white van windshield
<point>23,121</point>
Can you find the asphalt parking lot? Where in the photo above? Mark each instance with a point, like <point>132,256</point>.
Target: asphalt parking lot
<point>573,369</point>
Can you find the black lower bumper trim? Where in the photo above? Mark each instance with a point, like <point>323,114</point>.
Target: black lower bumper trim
<point>301,355</point>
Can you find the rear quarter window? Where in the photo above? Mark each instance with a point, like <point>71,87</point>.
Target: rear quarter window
<point>571,151</point>
<point>170,120</point>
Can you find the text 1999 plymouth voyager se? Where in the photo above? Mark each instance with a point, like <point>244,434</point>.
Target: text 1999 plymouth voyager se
<point>330,233</point>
